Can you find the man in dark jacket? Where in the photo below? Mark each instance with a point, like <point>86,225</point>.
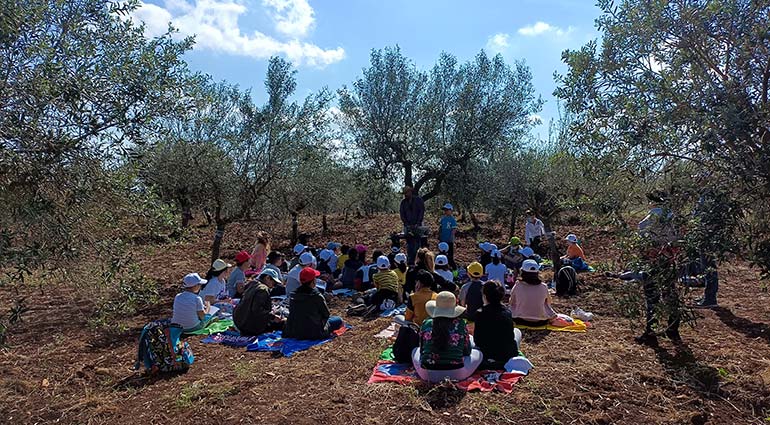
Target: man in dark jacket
<point>309,316</point>
<point>254,313</point>
<point>412,211</point>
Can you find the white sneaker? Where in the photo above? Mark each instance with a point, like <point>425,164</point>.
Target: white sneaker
<point>580,314</point>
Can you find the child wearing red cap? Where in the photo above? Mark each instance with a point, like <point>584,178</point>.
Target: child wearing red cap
<point>237,279</point>
<point>309,316</point>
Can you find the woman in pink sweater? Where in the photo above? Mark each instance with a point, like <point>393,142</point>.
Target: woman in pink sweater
<point>530,302</point>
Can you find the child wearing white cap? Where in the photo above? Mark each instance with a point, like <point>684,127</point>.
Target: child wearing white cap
<point>216,288</point>
<point>573,249</point>
<point>442,268</point>
<point>530,302</point>
<point>305,260</point>
<point>190,312</point>
<point>386,282</point>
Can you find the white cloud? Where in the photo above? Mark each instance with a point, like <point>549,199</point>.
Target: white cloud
<point>292,17</point>
<point>215,26</point>
<point>543,28</point>
<point>498,43</point>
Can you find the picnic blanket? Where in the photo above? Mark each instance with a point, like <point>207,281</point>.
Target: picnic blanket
<point>273,341</point>
<point>229,338</point>
<point>387,370</point>
<point>394,311</point>
<point>578,327</point>
<point>344,292</point>
<point>388,332</point>
<point>214,327</point>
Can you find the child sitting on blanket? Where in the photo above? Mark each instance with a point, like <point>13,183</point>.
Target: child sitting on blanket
<point>442,268</point>
<point>496,270</point>
<point>530,302</point>
<point>349,269</point>
<point>344,251</point>
<point>445,350</point>
<point>470,293</point>
<point>415,303</point>
<point>399,266</point>
<point>573,249</point>
<point>309,316</point>
<point>190,311</point>
<point>254,313</point>
<point>216,288</point>
<point>494,334</point>
<point>386,282</point>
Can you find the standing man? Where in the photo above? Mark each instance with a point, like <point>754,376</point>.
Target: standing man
<point>412,213</point>
<point>533,232</point>
<point>446,232</point>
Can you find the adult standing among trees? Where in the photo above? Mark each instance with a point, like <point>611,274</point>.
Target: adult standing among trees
<point>533,232</point>
<point>412,211</point>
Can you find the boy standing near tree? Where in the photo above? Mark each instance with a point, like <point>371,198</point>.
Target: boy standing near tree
<point>447,230</point>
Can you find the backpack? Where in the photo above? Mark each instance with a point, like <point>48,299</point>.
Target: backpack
<point>407,340</point>
<point>566,281</point>
<point>160,349</point>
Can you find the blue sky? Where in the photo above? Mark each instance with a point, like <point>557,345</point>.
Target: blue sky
<point>330,40</point>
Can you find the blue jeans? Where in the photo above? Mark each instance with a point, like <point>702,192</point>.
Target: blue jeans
<point>334,323</point>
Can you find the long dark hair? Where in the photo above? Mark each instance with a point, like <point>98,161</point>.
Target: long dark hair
<point>214,273</point>
<point>532,278</point>
<point>494,292</point>
<point>440,332</point>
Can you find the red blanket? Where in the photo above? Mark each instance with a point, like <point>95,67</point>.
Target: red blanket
<point>484,381</point>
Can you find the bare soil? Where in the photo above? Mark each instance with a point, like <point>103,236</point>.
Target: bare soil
<point>58,369</point>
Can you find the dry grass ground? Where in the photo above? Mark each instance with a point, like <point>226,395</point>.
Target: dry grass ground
<point>60,370</point>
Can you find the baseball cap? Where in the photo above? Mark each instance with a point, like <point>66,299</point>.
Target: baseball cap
<point>448,206</point>
<point>475,269</point>
<point>308,274</point>
<point>306,259</point>
<point>441,260</point>
<point>298,248</point>
<point>400,258</point>
<point>333,245</point>
<point>193,279</point>
<point>219,265</point>
<point>443,247</point>
<point>383,263</point>
<point>271,273</point>
<point>527,251</point>
<point>571,238</point>
<point>326,254</point>
<point>530,266</point>
<point>515,241</point>
<point>395,249</point>
<point>242,257</point>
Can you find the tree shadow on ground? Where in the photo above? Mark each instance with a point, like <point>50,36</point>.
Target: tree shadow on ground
<point>141,380</point>
<point>440,396</point>
<point>533,337</point>
<point>751,329</point>
<point>683,367</point>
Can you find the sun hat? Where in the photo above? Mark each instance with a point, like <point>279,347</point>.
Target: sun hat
<point>306,259</point>
<point>383,263</point>
<point>193,279</point>
<point>333,245</point>
<point>515,241</point>
<point>448,206</point>
<point>242,257</point>
<point>527,251</point>
<point>475,269</point>
<point>400,258</point>
<point>272,274</point>
<point>308,274</point>
<point>530,266</point>
<point>441,260</point>
<point>220,264</point>
<point>485,246</point>
<point>571,238</point>
<point>443,247</point>
<point>445,305</point>
<point>361,248</point>
<point>395,249</point>
<point>496,253</point>
<point>299,248</point>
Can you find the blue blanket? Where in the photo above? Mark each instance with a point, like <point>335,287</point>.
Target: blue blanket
<point>287,346</point>
<point>344,292</point>
<point>394,311</point>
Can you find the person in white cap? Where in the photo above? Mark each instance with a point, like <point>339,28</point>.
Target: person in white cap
<point>496,270</point>
<point>306,260</point>
<point>447,232</point>
<point>573,249</point>
<point>530,302</point>
<point>386,283</point>
<point>190,312</point>
<point>445,349</point>
<point>216,288</point>
<point>442,268</point>
<point>400,268</point>
<point>297,250</point>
